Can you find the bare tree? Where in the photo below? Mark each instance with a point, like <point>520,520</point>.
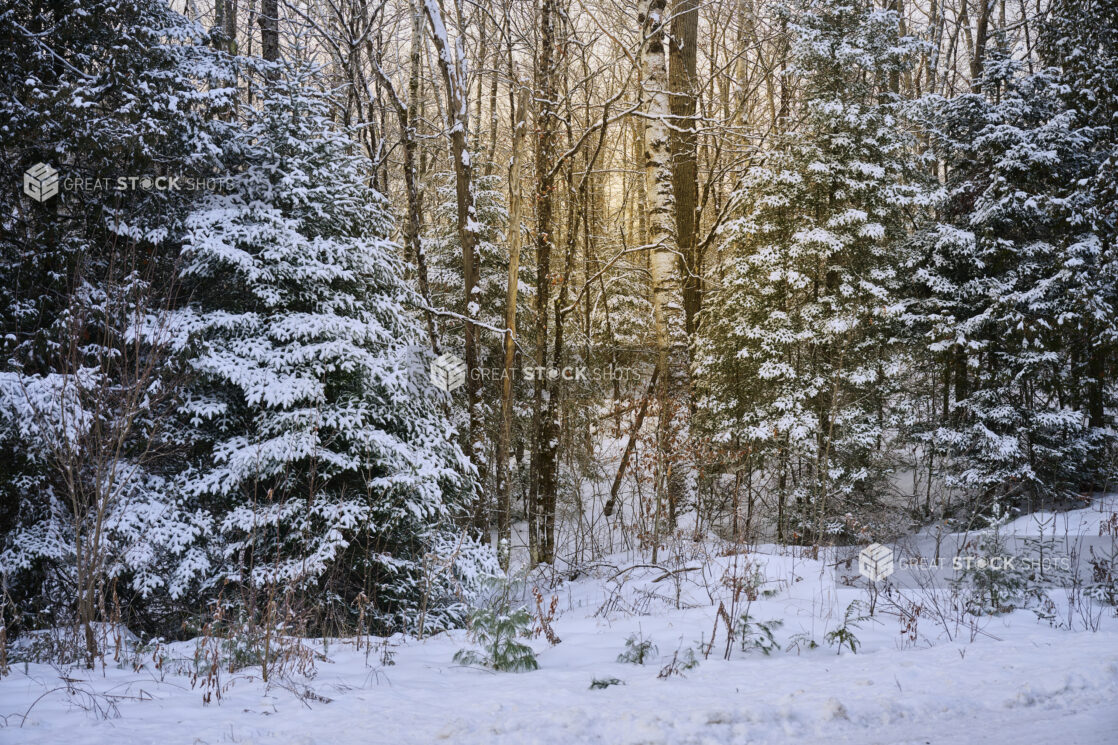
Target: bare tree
<point>453,66</point>
<point>504,483</point>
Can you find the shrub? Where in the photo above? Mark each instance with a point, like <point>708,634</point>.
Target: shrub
<point>990,586</point>
<point>758,634</point>
<point>598,684</point>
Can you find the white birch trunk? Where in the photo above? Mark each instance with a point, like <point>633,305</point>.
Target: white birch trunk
<point>667,306</point>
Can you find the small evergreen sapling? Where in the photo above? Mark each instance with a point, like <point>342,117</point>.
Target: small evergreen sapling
<point>989,583</point>
<point>682,661</point>
<point>843,634</point>
<point>758,634</point>
<point>638,650</point>
<point>497,629</point>
<point>598,684</point>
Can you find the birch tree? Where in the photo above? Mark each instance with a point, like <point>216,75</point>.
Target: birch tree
<point>664,254</point>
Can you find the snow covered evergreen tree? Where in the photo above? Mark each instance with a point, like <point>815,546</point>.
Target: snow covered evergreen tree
<point>95,91</point>
<point>1081,39</point>
<point>444,252</point>
<point>1015,284</point>
<point>321,447</point>
<point>798,358</point>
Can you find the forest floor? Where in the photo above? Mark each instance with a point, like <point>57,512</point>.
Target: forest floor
<point>1009,678</point>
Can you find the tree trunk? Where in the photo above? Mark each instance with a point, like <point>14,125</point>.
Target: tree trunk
<point>225,25</point>
<point>504,484</point>
<point>685,182</point>
<point>407,115</point>
<point>269,30</point>
<point>230,29</point>
<point>663,264</point>
<point>1096,384</point>
<point>545,445</point>
<point>981,33</point>
<point>452,65</point>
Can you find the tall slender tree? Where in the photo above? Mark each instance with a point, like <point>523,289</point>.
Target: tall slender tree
<point>453,66</point>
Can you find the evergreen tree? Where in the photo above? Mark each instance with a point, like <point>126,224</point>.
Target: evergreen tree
<point>798,355</point>
<point>1015,290</point>
<point>320,445</point>
<point>95,91</point>
<point>1081,39</point>
<point>444,252</point>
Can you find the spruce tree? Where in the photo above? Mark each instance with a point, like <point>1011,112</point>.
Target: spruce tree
<point>1081,40</point>
<point>1014,287</point>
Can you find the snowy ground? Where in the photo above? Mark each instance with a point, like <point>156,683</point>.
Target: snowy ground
<point>1019,680</point>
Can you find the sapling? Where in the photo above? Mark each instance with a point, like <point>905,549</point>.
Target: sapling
<point>843,635</point>
<point>758,634</point>
<point>497,629</point>
<point>638,650</point>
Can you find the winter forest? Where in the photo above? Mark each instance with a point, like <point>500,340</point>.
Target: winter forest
<point>358,355</point>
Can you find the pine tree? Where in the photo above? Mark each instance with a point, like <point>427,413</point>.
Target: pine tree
<point>444,251</point>
<point>320,444</point>
<point>797,358</point>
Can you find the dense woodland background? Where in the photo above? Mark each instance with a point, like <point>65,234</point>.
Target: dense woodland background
<point>849,268</point>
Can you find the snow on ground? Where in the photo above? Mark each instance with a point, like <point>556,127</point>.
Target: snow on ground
<point>1005,679</point>
<point>1088,521</point>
